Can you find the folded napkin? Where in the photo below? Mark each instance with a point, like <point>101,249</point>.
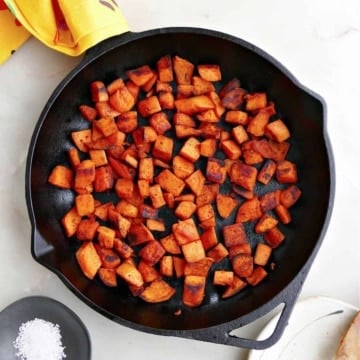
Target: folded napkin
<point>69,26</point>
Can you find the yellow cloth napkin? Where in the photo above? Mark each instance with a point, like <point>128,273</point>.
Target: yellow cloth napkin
<point>69,26</point>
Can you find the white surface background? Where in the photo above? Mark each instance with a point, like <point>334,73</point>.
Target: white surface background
<point>318,41</point>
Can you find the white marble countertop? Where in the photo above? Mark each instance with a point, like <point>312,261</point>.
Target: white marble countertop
<point>318,41</point>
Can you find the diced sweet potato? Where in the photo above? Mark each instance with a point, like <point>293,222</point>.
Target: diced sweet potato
<point>146,169</point>
<point>179,266</point>
<point>123,249</point>
<point>185,197</point>
<point>208,223</point>
<point>155,225</point>
<point>126,209</point>
<point>165,69</point>
<point>267,172</point>
<point>124,188</point>
<point>148,272</point>
<point>149,86</point>
<point>234,287</point>
<point>166,100</point>
<point>225,205</point>
<point>243,175</point>
<point>205,212</point>
<point>169,182</point>
<point>170,244</point>
<point>185,210</point>
<point>160,122</point>
<point>156,196</point>
<point>274,237</point>
<point>84,204</point>
<point>237,117</point>
<point>234,235</point>
<point>258,123</point>
<point>98,157</point>
<point>257,275</point>
<point>183,70</point>
<point>223,277</point>
<point>70,222</point>
<point>290,195</point>
<point>269,200</point>
<point>208,147</point>
<point>86,229</point>
<point>246,194</point>
<point>286,172</point>
<point>109,258</point>
<point>88,259</point>
<point>194,290</point>
<point>242,265</point>
<point>199,268</point>
<point>239,134</point>
<point>108,277</point>
<point>262,254</point>
<point>196,182</point>
<point>157,291</point>
<point>201,86</point>
<point>106,236</point>
<point>193,251</point>
<point>122,100</point>
<point>265,223</point>
<point>208,116</point>
<point>277,130</point>
<point>218,252</point>
<point>191,149</point>
<point>152,252</point>
<point>283,214</point>
<point>194,104</point>
<point>88,112</point>
<point>140,75</point>
<point>129,272</point>
<point>167,266</point>
<point>209,72</point>
<point>182,167</point>
<point>216,170</point>
<point>244,248</point>
<point>170,199</point>
<point>81,138</point>
<point>120,169</point>
<point>231,149</point>
<point>208,194</point>
<point>62,177</point>
<point>184,91</point>
<point>249,210</point>
<point>149,106</point>
<point>233,99</point>
<point>231,85</point>
<point>101,211</point>
<point>163,148</point>
<point>105,109</point>
<point>104,178</point>
<point>98,91</point>
<point>185,231</point>
<point>219,108</point>
<point>255,101</point>
<point>209,238</point>
<point>127,121</point>
<point>74,157</point>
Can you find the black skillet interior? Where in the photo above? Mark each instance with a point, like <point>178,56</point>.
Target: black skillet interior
<point>304,113</point>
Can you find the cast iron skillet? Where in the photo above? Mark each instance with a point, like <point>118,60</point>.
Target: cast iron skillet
<point>305,114</point>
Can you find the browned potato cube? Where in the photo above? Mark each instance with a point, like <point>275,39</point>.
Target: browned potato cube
<point>70,222</point>
<point>152,252</point>
<point>244,248</point>
<point>167,266</point>
<point>124,208</point>
<point>86,230</point>
<point>290,195</point>
<point>166,100</point>
<point>249,210</point>
<point>233,99</point>
<point>194,104</point>
<point>283,214</point>
<point>208,194</point>
<point>88,259</point>
<point>84,204</point>
<point>139,234</point>
<point>98,91</point>
<point>231,149</point>
<point>146,169</point>
<point>160,122</point>
<point>170,244</point>
<point>182,167</point>
<point>179,266</point>
<point>148,272</point>
<point>225,205</point>
<point>165,69</point>
<point>122,100</point>
<point>234,287</point>
<point>199,268</point>
<point>286,172</point>
<point>216,170</point>
<point>185,231</point>
<point>270,200</point>
<point>243,175</point>
<point>158,291</point>
<point>109,258</point>
<point>237,117</point>
<point>201,86</point>
<point>191,149</point>
<point>274,237</point>
<point>255,101</point>
<point>239,133</point>
<point>108,277</point>
<point>223,277</point>
<point>62,177</point>
<point>209,238</point>
<point>98,157</point>
<point>210,72</point>
<point>104,178</point>
<point>218,252</point>
<point>265,223</point>
<point>149,106</point>
<point>81,138</point>
<point>257,275</point>
<point>183,70</point>
<point>88,112</point>
<point>234,235</point>
<point>277,130</point>
<point>74,157</point>
<point>196,182</point>
<point>243,265</point>
<point>163,148</point>
<point>140,75</point>
<point>266,172</point>
<point>156,196</point>
<point>170,182</point>
<point>205,212</point>
<point>128,271</point>
<point>208,147</point>
<point>123,249</point>
<point>106,236</point>
<point>185,210</point>
<point>127,121</point>
<point>262,254</point>
<point>193,251</point>
<point>194,290</point>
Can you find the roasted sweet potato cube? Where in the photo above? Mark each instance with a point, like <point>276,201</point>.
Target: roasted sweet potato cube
<point>201,86</point>
<point>167,266</point>
<point>262,254</point>
<point>218,252</point>
<point>128,271</point>
<point>216,170</point>
<point>243,175</point>
<point>84,204</point>
<point>149,106</point>
<point>148,212</point>
<point>234,287</point>
<point>156,196</point>
<point>157,291</point>
<point>191,149</point>
<point>208,223</point>
<point>127,121</point>
<point>149,86</point>
<point>185,210</point>
<point>223,277</point>
<point>231,149</point>
<point>219,109</point>
<point>239,134</point>
<point>182,167</point>
<point>88,112</point>
<point>251,157</point>
<point>105,109</point>
<point>208,116</point>
<point>160,122</point>
<point>123,249</point>
<point>120,169</point>
<point>267,172</point>
<point>140,75</point>
<point>121,223</point>
<point>196,182</point>
<point>98,157</point>
<point>225,205</point>
<point>106,125</point>
<point>170,244</point>
<point>163,148</point>
<point>244,248</point>
<point>208,194</point>
<point>193,251</point>
<point>101,211</point>
<point>88,259</point>
<point>255,101</point>
<point>198,268</point>
<point>98,91</point>
<point>179,266</point>
<point>122,100</point>
<point>258,123</point>
<point>194,104</point>
<point>257,276</point>
<point>283,214</point>
<point>61,176</point>
<point>183,131</point>
<point>205,212</point>
<point>133,89</point>
<point>155,225</point>
<point>124,188</point>
<point>233,99</point>
<point>125,208</point>
<point>243,265</point>
<point>185,231</point>
<point>183,70</point>
<point>269,200</point>
<point>86,229</point>
<point>104,178</point>
<point>115,85</point>
<point>184,91</point>
<point>234,235</point>
<point>131,160</point>
<point>109,258</point>
<point>277,151</point>
<point>277,130</point>
<point>165,69</point>
<point>237,117</point>
<point>274,237</point>
<point>74,157</point>
<point>169,182</point>
<point>265,223</point>
<point>209,238</point>
<point>286,172</point>
<point>209,72</point>
<point>185,197</point>
<point>146,169</point>
<point>290,195</point>
<point>208,147</point>
<point>81,138</point>
<point>166,100</point>
<point>106,236</point>
<point>249,210</point>
<point>231,85</point>
<point>143,186</point>
<point>208,130</point>
<point>148,272</point>
<point>194,290</point>
<point>108,277</point>
<point>183,119</point>
<point>152,252</point>
<point>70,222</point>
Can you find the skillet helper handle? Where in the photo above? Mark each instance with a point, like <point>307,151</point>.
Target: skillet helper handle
<point>69,26</point>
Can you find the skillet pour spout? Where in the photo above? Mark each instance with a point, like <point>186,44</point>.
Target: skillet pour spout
<point>304,113</point>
